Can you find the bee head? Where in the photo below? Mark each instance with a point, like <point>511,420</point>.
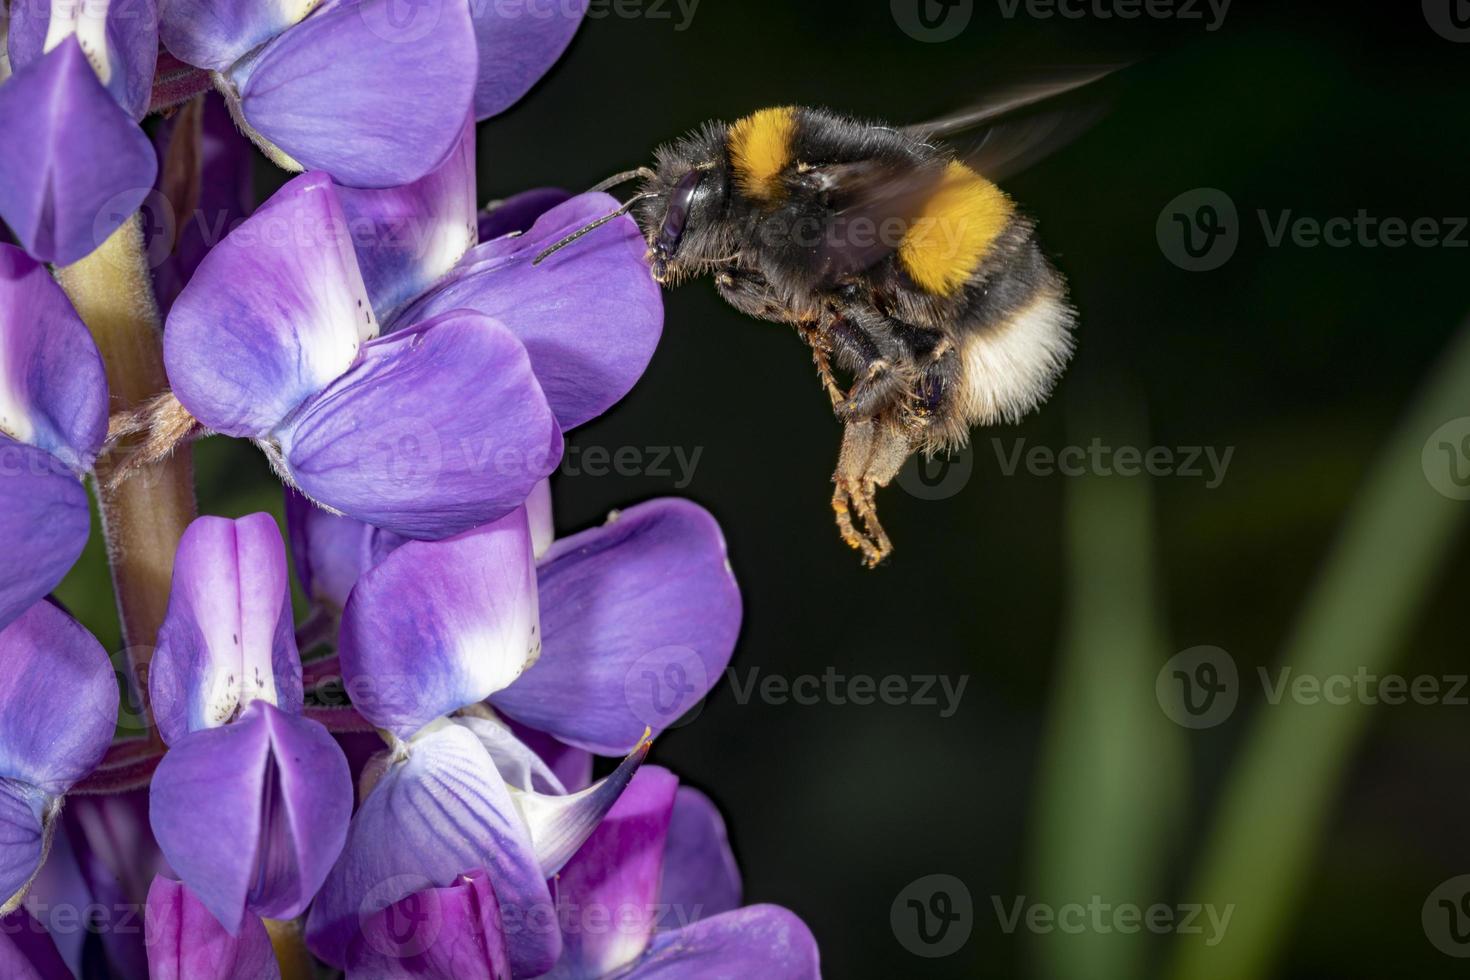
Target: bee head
<point>665,243</point>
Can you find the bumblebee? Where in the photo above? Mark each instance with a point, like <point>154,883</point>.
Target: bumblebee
<point>897,260</point>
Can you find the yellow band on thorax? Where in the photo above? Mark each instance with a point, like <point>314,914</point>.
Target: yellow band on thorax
<point>760,148</point>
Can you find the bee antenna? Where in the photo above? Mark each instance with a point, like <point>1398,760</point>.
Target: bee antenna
<point>591,227</point>
<point>622,178</point>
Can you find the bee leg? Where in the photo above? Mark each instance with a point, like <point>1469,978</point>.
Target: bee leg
<point>822,358</point>
<point>866,462</point>
<point>873,355</point>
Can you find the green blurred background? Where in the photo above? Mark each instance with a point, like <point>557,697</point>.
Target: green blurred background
<point>1060,598</point>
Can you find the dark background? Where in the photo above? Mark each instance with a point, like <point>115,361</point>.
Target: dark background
<point>1302,359</point>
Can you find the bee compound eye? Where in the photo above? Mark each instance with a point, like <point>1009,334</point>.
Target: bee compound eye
<point>681,200</point>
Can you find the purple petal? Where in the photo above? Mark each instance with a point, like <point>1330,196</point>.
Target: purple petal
<point>573,766</point>
<point>58,700</point>
<point>560,824</point>
<point>441,624</point>
<point>225,195</point>
<point>519,211</point>
<point>357,90</point>
<point>608,893</point>
<point>518,43</point>
<point>451,933</point>
<point>329,551</point>
<point>272,316</point>
<point>53,390</point>
<point>590,315</point>
<point>44,524</point>
<point>640,617</point>
<point>123,46</point>
<point>409,237</point>
<point>73,164</point>
<point>700,878</point>
<point>433,815</point>
<point>519,765</point>
<point>434,431</point>
<point>185,942</point>
<point>228,638</point>
<point>27,952</point>
<point>538,512</point>
<point>275,795</point>
<point>216,33</point>
<point>26,817</point>
<point>763,941</point>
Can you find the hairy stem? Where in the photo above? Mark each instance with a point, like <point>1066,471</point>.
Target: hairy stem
<point>291,955</point>
<point>145,513</point>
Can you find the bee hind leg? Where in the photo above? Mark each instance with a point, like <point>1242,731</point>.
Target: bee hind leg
<point>872,454</point>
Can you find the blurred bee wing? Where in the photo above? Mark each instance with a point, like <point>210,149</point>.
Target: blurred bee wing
<point>1012,145</point>
<point>872,205</point>
<point>1012,98</point>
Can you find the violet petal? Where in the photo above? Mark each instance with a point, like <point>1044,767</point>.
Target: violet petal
<point>252,815</point>
<point>408,237</point>
<point>763,941</point>
<point>518,44</point>
<point>435,430</point>
<point>44,525</point>
<point>608,894</point>
<point>328,550</point>
<point>640,618</point>
<point>559,825</point>
<point>27,952</point>
<point>73,164</point>
<point>519,211</point>
<point>356,92</point>
<point>700,877</point>
<point>439,625</point>
<point>123,46</point>
<point>228,637</point>
<point>273,314</point>
<point>590,315</point>
<point>441,810</point>
<point>215,34</point>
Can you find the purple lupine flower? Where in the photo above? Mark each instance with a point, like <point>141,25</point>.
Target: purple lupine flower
<point>74,164</point>
<point>345,86</point>
<point>653,894</point>
<point>250,804</point>
<point>53,419</point>
<point>427,635</point>
<point>58,708</point>
<point>186,942</point>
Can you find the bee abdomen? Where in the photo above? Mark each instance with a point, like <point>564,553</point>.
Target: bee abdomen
<point>951,237</point>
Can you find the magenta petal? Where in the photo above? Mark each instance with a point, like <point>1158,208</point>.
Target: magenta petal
<point>763,941</point>
<point>439,625</point>
<point>357,89</point>
<point>228,637</point>
<point>185,942</point>
<point>53,390</point>
<point>590,315</point>
<point>73,164</point>
<point>27,952</point>
<point>273,314</point>
<point>518,43</point>
<point>44,524</point>
<point>409,237</point>
<point>640,617</point>
<point>451,933</point>
<point>275,795</point>
<point>436,429</point>
<point>58,700</point>
<point>614,878</point>
<point>216,33</point>
<point>440,811</point>
<point>125,44</point>
<point>700,878</point>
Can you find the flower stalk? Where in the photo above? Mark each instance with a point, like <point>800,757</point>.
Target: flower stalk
<point>145,512</point>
